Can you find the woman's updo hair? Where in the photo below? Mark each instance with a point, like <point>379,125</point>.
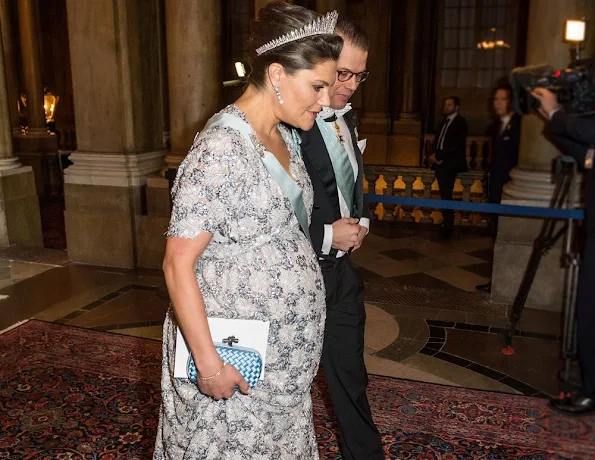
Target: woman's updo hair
<point>277,19</point>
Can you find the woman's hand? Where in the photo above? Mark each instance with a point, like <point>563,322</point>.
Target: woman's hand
<point>223,386</point>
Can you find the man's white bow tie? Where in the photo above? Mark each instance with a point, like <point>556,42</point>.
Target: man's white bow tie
<point>327,112</point>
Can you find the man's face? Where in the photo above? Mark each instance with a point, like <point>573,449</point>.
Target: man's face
<point>352,59</point>
<point>448,107</point>
<point>502,102</point>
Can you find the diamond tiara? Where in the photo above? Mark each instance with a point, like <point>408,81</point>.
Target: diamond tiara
<point>324,25</point>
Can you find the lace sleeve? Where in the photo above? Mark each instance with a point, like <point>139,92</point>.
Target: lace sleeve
<point>205,190</point>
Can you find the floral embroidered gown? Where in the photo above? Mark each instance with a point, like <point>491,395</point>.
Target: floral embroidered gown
<point>259,265</point>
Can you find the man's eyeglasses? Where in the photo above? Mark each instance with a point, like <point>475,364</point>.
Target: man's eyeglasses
<point>344,75</point>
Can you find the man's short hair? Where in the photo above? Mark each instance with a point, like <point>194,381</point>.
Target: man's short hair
<point>353,32</point>
<point>505,87</point>
<point>454,99</point>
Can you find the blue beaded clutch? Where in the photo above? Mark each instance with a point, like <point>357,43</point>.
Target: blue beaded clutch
<point>246,360</point>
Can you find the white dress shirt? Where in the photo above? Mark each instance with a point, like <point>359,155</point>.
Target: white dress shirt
<point>504,122</point>
<point>345,212</point>
<point>447,124</point>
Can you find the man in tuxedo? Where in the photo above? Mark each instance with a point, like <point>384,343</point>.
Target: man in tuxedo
<point>333,157</point>
<point>449,156</point>
<point>506,138</point>
<point>575,136</point>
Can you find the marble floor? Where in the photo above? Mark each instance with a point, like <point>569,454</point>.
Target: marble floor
<point>425,322</point>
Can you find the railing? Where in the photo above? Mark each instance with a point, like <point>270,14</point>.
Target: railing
<point>478,151</point>
<point>421,183</point>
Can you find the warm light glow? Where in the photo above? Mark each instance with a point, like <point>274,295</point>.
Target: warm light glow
<point>575,30</point>
<point>490,45</point>
<point>240,70</point>
<point>49,106</point>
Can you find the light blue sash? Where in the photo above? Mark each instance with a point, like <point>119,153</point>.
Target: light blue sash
<point>340,161</point>
<point>290,189</point>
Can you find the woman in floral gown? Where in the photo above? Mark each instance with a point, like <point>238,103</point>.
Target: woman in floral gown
<point>235,249</point>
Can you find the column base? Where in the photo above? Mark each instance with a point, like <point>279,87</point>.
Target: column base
<point>514,244</point>
<point>150,231</point>
<point>404,143</point>
<point>105,197</point>
<point>40,151</point>
<point>158,196</point>
<point>173,160</point>
<point>20,220</point>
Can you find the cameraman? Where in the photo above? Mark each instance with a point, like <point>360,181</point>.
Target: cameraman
<point>576,137</point>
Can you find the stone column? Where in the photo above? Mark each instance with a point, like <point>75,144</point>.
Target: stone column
<point>193,31</point>
<point>405,143</point>
<point>37,147</point>
<point>375,17</point>
<point>10,61</point>
<point>532,180</point>
<point>411,61</point>
<point>31,73</point>
<point>19,208</point>
<point>193,35</point>
<point>116,84</point>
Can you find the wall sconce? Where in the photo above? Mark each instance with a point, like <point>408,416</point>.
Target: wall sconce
<point>575,33</point>
<point>241,80</point>
<point>240,69</point>
<point>49,105</point>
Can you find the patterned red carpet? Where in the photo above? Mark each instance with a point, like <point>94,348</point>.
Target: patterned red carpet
<point>69,393</point>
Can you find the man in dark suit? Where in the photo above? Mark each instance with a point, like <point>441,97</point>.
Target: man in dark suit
<point>506,138</point>
<point>576,137</point>
<point>449,156</point>
<point>333,157</point>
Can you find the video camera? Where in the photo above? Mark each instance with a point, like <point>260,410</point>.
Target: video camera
<point>574,86</point>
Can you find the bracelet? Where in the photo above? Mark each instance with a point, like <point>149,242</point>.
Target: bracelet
<point>215,374</point>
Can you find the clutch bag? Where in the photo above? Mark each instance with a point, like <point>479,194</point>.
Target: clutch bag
<point>246,360</point>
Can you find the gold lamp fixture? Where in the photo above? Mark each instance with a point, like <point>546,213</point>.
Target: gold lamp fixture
<point>50,101</point>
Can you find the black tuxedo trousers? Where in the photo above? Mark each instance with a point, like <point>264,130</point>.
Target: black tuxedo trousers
<point>343,360</point>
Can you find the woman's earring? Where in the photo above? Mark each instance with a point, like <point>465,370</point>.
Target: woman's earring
<point>276,88</point>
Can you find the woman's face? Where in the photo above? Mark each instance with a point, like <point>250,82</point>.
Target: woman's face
<point>305,93</point>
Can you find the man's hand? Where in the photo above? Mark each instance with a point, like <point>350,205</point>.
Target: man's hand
<point>363,231</point>
<point>549,101</point>
<point>432,159</point>
<point>345,234</point>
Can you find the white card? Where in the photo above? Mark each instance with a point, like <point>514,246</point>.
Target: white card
<point>249,333</point>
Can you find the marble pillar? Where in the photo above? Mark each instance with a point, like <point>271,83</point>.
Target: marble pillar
<point>37,147</point>
<point>20,221</point>
<point>532,180</point>
<point>193,31</point>
<point>9,41</point>
<point>411,61</point>
<point>31,72</point>
<point>376,21</point>
<point>115,61</point>
<point>404,144</point>
<point>374,16</point>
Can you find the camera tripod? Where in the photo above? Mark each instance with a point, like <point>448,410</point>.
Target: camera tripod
<point>562,198</point>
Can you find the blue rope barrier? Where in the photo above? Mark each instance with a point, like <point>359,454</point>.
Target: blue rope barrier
<point>491,208</point>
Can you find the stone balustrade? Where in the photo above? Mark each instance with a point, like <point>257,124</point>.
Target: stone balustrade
<point>421,183</point>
